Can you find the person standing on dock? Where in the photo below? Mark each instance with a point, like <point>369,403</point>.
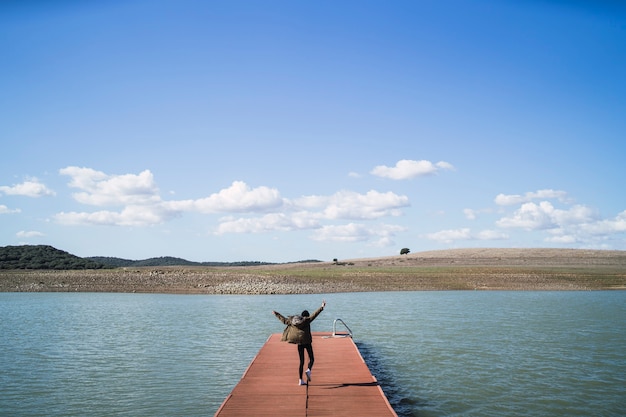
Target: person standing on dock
<point>298,331</point>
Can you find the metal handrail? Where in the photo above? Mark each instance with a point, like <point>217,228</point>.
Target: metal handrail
<point>344,325</point>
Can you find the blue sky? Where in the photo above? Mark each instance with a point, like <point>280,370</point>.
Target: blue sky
<point>288,130</point>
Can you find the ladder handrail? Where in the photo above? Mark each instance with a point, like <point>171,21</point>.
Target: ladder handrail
<point>344,325</point>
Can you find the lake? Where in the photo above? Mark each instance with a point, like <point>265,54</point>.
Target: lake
<point>466,353</point>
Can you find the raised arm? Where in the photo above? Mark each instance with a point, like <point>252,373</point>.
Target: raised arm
<point>280,317</point>
<point>318,311</point>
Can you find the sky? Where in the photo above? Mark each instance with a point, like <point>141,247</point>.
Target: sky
<point>280,131</point>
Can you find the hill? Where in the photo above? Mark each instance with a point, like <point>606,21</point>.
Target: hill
<point>535,257</point>
<point>456,269</point>
<point>43,257</point>
<point>166,261</point>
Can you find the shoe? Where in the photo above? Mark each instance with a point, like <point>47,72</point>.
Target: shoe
<point>301,382</point>
<point>308,375</point>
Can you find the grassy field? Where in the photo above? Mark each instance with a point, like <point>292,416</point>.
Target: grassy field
<point>460,269</point>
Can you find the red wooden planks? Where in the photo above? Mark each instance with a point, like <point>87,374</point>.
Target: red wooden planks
<point>341,385</point>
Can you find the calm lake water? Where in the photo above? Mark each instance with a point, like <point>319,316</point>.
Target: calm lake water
<point>434,353</point>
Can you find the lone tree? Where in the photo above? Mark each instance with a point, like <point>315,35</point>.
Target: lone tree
<point>404,251</point>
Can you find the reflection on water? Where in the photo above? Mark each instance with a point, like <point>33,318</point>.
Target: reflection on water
<point>403,402</point>
<point>434,353</point>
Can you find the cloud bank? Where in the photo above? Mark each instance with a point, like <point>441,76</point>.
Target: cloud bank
<point>135,200</point>
<point>246,209</point>
<point>538,212</point>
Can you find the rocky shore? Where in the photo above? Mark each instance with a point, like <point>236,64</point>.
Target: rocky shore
<point>462,269</point>
<point>165,280</point>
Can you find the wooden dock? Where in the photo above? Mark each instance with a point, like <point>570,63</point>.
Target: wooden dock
<point>341,383</point>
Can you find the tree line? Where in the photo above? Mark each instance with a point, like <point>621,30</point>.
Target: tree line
<point>48,257</point>
<point>43,257</point>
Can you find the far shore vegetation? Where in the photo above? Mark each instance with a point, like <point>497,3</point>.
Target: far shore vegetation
<point>46,269</point>
<point>40,257</point>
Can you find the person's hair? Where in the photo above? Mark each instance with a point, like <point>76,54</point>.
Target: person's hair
<point>305,313</point>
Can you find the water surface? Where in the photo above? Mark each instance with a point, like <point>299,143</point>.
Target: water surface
<point>435,353</point>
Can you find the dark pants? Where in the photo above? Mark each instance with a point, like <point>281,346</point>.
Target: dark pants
<point>309,350</point>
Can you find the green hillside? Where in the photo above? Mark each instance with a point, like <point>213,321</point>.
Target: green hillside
<point>43,257</point>
<point>167,261</point>
<point>48,257</point>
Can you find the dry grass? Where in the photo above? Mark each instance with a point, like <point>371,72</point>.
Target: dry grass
<point>458,269</point>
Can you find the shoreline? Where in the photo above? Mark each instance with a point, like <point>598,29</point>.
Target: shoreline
<point>456,269</point>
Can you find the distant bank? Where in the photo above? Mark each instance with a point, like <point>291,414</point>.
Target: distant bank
<point>42,257</point>
<point>455,269</point>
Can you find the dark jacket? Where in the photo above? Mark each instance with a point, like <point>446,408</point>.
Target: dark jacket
<point>298,328</point>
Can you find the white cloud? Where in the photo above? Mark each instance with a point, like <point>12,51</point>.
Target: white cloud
<point>562,239</point>
<point>352,205</point>
<point>469,214</point>
<point>100,189</point>
<point>381,234</point>
<point>452,235</point>
<point>267,223</point>
<point>589,233</point>
<point>514,199</point>
<point>129,216</point>
<point>84,178</point>
<point>28,234</point>
<point>616,225</point>
<point>238,198</point>
<point>134,200</point>
<point>532,216</point>
<point>29,188</point>
<point>407,169</point>
<point>444,165</point>
<point>307,213</point>
<point>491,235</point>
<point>472,214</point>
<point>448,236</point>
<point>142,206</point>
<point>5,210</point>
<point>576,224</point>
<point>342,233</point>
<point>137,194</point>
